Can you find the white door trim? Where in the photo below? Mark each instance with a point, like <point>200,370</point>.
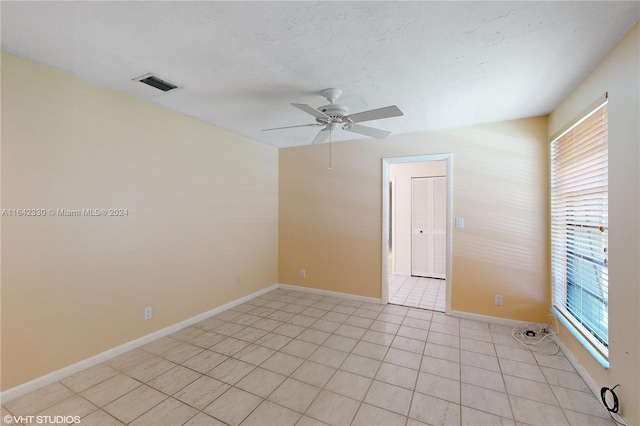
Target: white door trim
<point>385,218</point>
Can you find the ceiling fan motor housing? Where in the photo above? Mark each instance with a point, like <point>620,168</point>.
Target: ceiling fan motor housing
<point>335,112</point>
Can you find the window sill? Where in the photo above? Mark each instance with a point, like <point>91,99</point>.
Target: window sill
<point>583,341</point>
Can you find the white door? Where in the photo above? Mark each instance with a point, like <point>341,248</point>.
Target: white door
<point>428,223</point>
<point>420,220</point>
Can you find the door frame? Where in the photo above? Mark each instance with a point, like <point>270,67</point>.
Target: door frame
<point>385,218</point>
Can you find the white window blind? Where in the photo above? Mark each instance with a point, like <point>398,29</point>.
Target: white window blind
<point>579,226</point>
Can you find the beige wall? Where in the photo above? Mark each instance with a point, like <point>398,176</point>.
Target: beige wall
<point>400,175</point>
<point>202,212</point>
<point>619,74</point>
<point>331,221</point>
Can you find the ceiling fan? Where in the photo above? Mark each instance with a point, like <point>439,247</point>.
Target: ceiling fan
<point>334,116</point>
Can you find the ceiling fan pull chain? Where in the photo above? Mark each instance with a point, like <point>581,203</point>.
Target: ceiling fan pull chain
<point>330,150</point>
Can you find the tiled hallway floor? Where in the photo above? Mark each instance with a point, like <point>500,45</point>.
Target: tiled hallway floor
<point>417,292</point>
<point>290,357</point>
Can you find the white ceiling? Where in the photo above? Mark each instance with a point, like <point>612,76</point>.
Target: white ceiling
<point>240,64</point>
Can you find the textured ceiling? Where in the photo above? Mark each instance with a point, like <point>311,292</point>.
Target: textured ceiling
<point>240,64</point>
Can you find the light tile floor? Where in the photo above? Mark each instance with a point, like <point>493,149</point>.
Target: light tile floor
<point>417,292</point>
<point>294,358</point>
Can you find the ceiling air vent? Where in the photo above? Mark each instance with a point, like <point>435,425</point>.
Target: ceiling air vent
<point>156,82</point>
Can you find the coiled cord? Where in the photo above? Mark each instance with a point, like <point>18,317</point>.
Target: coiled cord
<point>537,337</point>
<point>616,407</point>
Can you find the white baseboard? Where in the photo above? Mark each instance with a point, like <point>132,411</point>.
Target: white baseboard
<point>579,368</point>
<point>331,293</point>
<point>55,376</point>
<point>485,318</point>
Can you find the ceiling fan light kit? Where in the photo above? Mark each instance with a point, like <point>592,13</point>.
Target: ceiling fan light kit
<point>334,116</point>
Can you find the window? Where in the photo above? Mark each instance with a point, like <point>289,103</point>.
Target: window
<point>579,228</point>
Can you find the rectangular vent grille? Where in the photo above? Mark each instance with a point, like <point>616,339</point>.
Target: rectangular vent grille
<point>156,82</point>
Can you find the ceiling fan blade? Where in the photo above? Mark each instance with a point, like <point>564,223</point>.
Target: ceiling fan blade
<point>367,131</point>
<point>375,114</point>
<point>310,110</point>
<point>291,127</point>
<point>321,136</point>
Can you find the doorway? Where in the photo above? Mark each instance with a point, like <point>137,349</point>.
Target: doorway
<point>404,280</point>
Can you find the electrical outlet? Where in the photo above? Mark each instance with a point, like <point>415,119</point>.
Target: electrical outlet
<point>498,300</point>
<point>148,313</point>
<point>303,273</point>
